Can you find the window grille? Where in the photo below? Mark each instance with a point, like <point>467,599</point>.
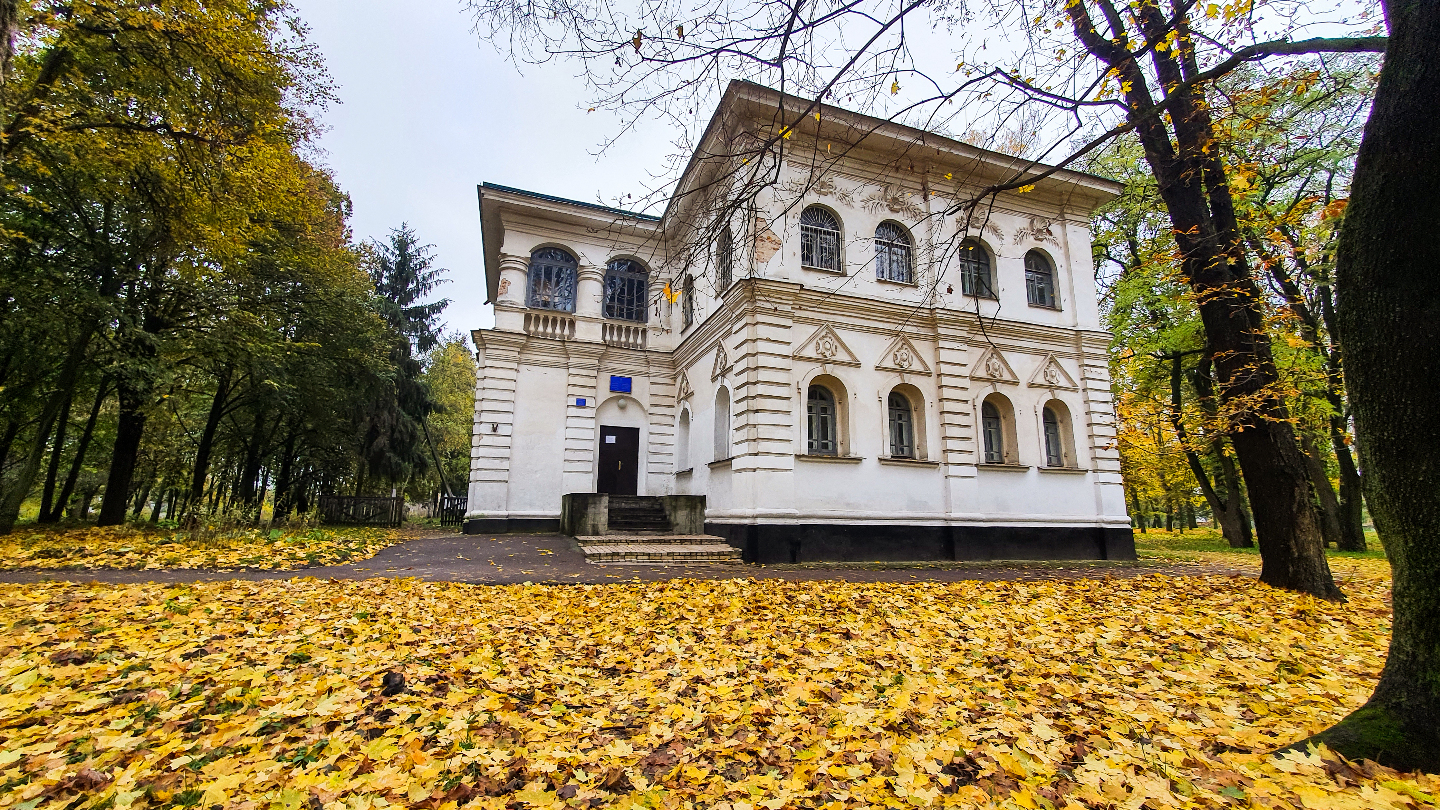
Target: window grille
<point>726,251</point>
<point>902,427</point>
<point>1039,280</point>
<point>552,280</point>
<point>627,286</point>
<point>687,301</point>
<point>892,254</point>
<point>820,410</point>
<point>819,239</point>
<point>1054,450</point>
<point>975,270</point>
<point>991,429</point>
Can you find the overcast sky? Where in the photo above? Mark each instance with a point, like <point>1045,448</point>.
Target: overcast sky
<point>428,111</point>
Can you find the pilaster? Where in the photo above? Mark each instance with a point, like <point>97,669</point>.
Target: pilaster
<point>498,360</point>
<point>578,474</point>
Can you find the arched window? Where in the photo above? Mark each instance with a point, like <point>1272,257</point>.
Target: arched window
<point>1054,448</point>
<point>726,255</point>
<point>902,427</point>
<point>552,280</point>
<point>722,424</point>
<point>627,285</point>
<point>993,430</point>
<point>687,301</point>
<point>1039,280</point>
<point>975,278</point>
<point>821,422</point>
<point>892,254</point>
<point>682,442</point>
<point>819,239</point>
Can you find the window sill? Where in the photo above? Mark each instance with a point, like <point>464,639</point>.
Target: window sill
<point>1055,308</point>
<point>1065,470</point>
<point>686,471</point>
<point>909,462</point>
<point>1004,467</point>
<point>822,270</point>
<point>898,283</point>
<point>724,462</point>
<point>830,459</point>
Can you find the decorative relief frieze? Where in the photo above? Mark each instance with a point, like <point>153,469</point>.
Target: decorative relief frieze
<point>902,356</point>
<point>826,347</point>
<point>722,362</point>
<point>1052,375</point>
<point>992,366</point>
<point>1038,229</point>
<point>895,200</point>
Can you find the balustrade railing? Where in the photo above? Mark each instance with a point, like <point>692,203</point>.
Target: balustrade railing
<point>545,325</point>
<point>623,335</point>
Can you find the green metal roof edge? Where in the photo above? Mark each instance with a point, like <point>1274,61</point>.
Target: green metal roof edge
<point>551,198</point>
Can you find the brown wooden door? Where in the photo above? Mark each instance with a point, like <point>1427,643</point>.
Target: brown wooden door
<point>619,460</point>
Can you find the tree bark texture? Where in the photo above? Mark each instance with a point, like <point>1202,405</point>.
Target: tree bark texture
<point>75,466</point>
<point>1192,182</point>
<point>207,440</point>
<point>129,430</point>
<point>1328,502</point>
<point>64,388</point>
<point>1388,308</point>
<point>1352,504</point>
<point>48,514</point>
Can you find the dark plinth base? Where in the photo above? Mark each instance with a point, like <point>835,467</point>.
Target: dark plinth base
<point>512,526</point>
<point>799,543</point>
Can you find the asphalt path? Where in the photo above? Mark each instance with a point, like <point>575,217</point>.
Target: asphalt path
<point>528,558</point>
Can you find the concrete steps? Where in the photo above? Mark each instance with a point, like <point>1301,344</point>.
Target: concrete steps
<point>637,515</point>
<point>657,550</point>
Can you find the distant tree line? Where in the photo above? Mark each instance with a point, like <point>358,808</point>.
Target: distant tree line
<point>186,325</point>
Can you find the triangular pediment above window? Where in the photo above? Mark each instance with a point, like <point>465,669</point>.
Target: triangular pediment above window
<point>902,356</point>
<point>993,366</point>
<point>682,387</point>
<point>1051,374</point>
<point>825,346</point>
<point>722,362</point>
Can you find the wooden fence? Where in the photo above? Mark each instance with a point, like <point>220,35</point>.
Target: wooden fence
<point>350,510</point>
<point>451,510</point>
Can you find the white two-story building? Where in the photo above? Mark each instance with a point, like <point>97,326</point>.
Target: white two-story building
<point>817,342</point>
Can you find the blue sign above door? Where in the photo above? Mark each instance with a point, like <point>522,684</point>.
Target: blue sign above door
<point>620,385</point>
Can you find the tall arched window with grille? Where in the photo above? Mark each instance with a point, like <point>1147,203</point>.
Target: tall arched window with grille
<point>1039,280</point>
<point>975,278</point>
<point>993,432</point>
<point>821,422</point>
<point>627,285</point>
<point>902,427</point>
<point>819,239</point>
<point>687,301</point>
<point>892,254</point>
<point>552,280</point>
<point>1054,447</point>
<point>725,254</point>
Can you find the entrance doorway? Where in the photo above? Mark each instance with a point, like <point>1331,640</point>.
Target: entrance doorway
<point>619,460</point>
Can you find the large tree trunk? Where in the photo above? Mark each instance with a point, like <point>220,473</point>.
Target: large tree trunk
<point>52,471</point>
<point>207,441</point>
<point>64,388</point>
<point>1389,305</point>
<point>1352,507</point>
<point>128,433</point>
<point>1328,503</point>
<point>85,436</point>
<point>1191,180</point>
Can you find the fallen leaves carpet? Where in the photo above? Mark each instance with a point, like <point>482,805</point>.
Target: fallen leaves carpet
<point>125,547</point>
<point>740,694</point>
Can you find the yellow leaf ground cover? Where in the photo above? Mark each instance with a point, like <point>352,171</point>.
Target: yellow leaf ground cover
<point>131,548</point>
<point>736,694</point>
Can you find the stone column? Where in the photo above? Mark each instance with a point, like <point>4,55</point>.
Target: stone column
<point>589,302</point>
<point>510,303</point>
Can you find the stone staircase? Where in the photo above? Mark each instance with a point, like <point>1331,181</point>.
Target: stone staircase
<point>640,533</point>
